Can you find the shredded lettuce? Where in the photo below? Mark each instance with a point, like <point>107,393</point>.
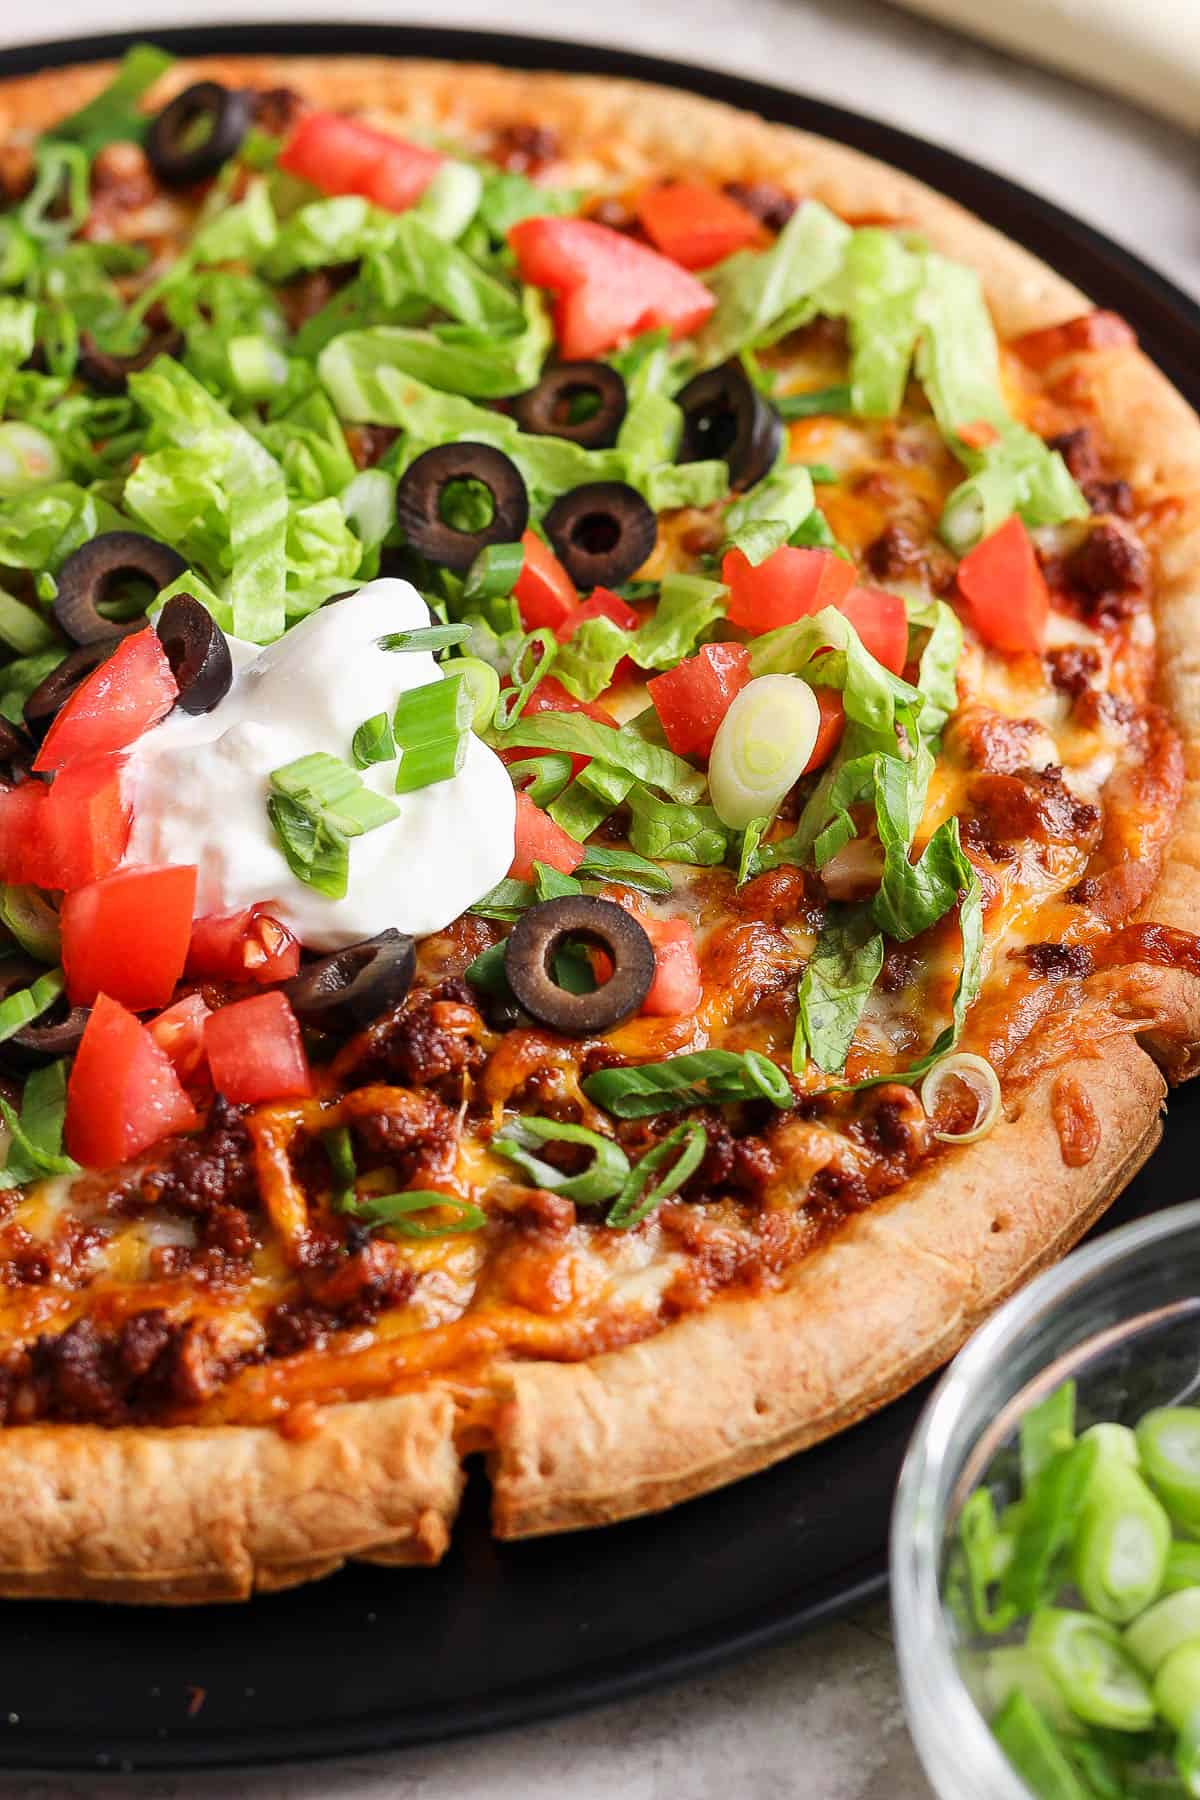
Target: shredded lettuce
<point>115,113</point>
<point>325,233</point>
<point>673,832</point>
<point>40,529</point>
<point>417,261</point>
<point>770,512</point>
<point>687,606</point>
<point>763,293</point>
<point>937,670</point>
<point>451,200</point>
<point>507,198</point>
<point>835,987</point>
<point>877,290</point>
<point>871,692</point>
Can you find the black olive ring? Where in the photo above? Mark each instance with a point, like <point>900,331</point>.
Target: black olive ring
<point>55,689</point>
<point>176,158</point>
<point>419,496</point>
<point>56,1033</point>
<point>198,652</point>
<point>93,571</point>
<point>725,416</point>
<point>602,533</point>
<point>16,753</point>
<point>107,373</point>
<point>351,988</point>
<point>538,410</point>
<point>544,929</point>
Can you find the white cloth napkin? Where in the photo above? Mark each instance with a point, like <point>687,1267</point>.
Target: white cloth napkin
<point>1147,50</point>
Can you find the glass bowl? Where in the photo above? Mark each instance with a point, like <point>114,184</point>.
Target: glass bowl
<point>1122,1318</point>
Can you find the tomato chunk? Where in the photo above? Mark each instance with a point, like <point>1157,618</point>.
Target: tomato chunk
<point>23,856</point>
<point>249,945</point>
<point>126,936</point>
<point>692,698</point>
<point>86,822</point>
<point>695,224</point>
<point>1096,330</point>
<point>829,731</point>
<point>545,593</point>
<point>788,585</point>
<point>607,287</point>
<point>344,156</point>
<point>255,1051</point>
<point>1006,590</point>
<point>120,700</point>
<point>122,1093</point>
<point>881,622</point>
<point>600,604</point>
<point>676,987</point>
<point>539,839</point>
<point>180,1032</point>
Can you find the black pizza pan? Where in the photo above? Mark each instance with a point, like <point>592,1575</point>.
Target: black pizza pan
<point>500,1635</point>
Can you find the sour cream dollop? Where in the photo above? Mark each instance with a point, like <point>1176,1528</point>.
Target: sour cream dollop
<point>198,785</point>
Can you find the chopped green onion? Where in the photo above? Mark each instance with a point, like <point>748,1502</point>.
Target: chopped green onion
<point>1183,1568</point>
<point>986,1550</point>
<point>315,851</point>
<point>21,628</point>
<point>431,727</point>
<point>1187,1754</point>
<point>1100,1682</point>
<point>425,637</point>
<point>368,504</point>
<point>1047,1429</point>
<point>372,742</point>
<point>981,1080</point>
<point>532,661</point>
<point>1169,1447</point>
<point>482,684</point>
<point>28,459</point>
<point>1163,1627</point>
<point>18,254</point>
<point>811,405</point>
<point>762,747</point>
<point>543,778</point>
<point>58,202</point>
<point>1121,1541</point>
<point>1048,1520</point>
<point>339,1148</point>
<point>114,113</point>
<point>705,1077</point>
<point>604,1176</point>
<point>332,790</point>
<point>494,573</point>
<point>637,1200</point>
<point>27,1004</point>
<point>1177,1685</point>
<point>392,1211</point>
<point>32,921</point>
<point>1034,1751</point>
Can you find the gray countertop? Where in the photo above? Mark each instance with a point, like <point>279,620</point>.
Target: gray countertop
<point>820,1718</point>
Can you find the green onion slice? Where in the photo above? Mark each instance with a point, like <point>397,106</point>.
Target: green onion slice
<point>762,747</point>
<point>1099,1680</point>
<point>431,726</point>
<point>604,1176</point>
<point>28,459</point>
<point>637,1200</point>
<point>811,405</point>
<point>1121,1541</point>
<point>494,573</point>
<point>482,684</point>
<point>27,1004</point>
<point>532,661</point>
<point>1169,1447</point>
<point>393,1212</point>
<point>977,1075</point>
<point>1164,1627</point>
<point>1177,1686</point>
<point>373,742</point>
<point>543,778</point>
<point>1032,1747</point>
<point>425,637</point>
<point>339,1148</point>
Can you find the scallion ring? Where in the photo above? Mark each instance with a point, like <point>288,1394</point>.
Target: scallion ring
<point>762,747</point>
<point>483,686</point>
<point>767,1077</point>
<point>604,1176</point>
<point>392,1211</point>
<point>543,778</point>
<point>28,458</point>
<point>636,1201</point>
<point>531,663</point>
<point>977,1075</point>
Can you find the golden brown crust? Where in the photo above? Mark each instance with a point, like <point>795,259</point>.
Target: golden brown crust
<point>736,1387</point>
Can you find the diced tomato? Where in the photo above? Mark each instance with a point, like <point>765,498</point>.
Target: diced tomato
<point>539,839</point>
<point>829,731</point>
<point>1097,330</point>
<point>255,1051</point>
<point>695,224</point>
<point>881,622</point>
<point>788,585</point>
<point>1006,590</point>
<point>600,604</point>
<point>692,698</point>
<point>127,694</point>
<point>676,986</point>
<point>607,286</point>
<point>180,1032</point>
<point>122,1094</point>
<point>344,156</point>
<point>242,946</point>
<point>545,594</point>
<point>551,696</point>
<point>126,936</point>
<point>68,833</point>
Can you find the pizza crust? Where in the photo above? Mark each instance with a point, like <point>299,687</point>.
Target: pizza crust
<point>212,1514</point>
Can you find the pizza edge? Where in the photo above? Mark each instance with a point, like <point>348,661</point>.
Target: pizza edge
<point>190,1514</point>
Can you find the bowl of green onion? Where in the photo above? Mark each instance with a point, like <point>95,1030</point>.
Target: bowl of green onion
<point>1046,1536</point>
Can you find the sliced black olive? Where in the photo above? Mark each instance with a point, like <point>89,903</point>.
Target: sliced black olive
<point>107,373</point>
<point>198,652</point>
<point>602,532</point>
<point>56,1033</point>
<point>197,132</point>
<point>546,409</point>
<point>93,573</point>
<point>422,501</point>
<point>353,987</point>
<point>544,929</point>
<point>52,693</point>
<point>725,416</point>
<point>16,752</point>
